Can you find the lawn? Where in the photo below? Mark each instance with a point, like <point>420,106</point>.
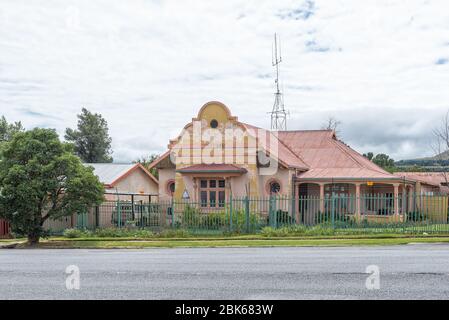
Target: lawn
<point>236,241</point>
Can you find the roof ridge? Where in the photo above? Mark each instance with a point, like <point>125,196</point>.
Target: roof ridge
<point>342,147</point>
<point>281,142</point>
<point>305,130</point>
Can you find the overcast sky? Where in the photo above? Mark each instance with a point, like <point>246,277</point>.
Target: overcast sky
<point>380,67</point>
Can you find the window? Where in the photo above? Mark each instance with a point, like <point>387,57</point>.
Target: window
<point>274,187</point>
<point>214,124</point>
<point>171,187</point>
<point>212,193</point>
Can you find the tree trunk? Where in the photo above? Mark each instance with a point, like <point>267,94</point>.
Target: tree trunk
<point>33,239</point>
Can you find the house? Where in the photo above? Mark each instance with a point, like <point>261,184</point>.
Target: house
<point>125,180</point>
<point>216,157</point>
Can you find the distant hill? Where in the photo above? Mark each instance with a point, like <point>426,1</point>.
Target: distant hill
<point>435,163</point>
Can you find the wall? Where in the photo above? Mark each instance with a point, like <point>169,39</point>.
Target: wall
<point>164,176</point>
<point>283,176</point>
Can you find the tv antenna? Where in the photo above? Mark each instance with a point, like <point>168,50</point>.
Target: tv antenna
<point>278,115</point>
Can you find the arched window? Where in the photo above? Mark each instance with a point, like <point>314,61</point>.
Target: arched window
<point>274,187</point>
<point>171,187</point>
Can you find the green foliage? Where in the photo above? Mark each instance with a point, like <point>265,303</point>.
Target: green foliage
<point>369,155</point>
<point>146,161</point>
<point>297,230</point>
<point>416,216</point>
<point>382,160</point>
<point>326,218</point>
<point>41,179</point>
<point>91,140</point>
<point>76,233</point>
<point>122,233</point>
<point>8,130</point>
<point>282,218</point>
<point>193,218</point>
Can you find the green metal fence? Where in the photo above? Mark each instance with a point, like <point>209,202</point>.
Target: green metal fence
<point>373,212</point>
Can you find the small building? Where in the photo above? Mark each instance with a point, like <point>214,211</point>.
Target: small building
<point>125,179</point>
<point>128,186</point>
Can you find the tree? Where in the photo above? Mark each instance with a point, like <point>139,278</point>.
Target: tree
<point>383,161</point>
<point>441,146</point>
<point>332,124</point>
<point>369,155</point>
<point>41,178</point>
<point>91,140</point>
<point>146,161</point>
<point>8,130</point>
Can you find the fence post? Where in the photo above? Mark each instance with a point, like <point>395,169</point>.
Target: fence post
<point>293,209</point>
<point>333,210</point>
<point>271,212</point>
<point>247,214</point>
<point>119,214</point>
<point>97,217</point>
<point>173,213</point>
<point>230,212</point>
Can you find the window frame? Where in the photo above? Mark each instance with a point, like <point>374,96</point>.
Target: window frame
<point>215,191</point>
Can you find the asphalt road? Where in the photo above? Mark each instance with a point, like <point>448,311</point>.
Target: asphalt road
<point>406,272</point>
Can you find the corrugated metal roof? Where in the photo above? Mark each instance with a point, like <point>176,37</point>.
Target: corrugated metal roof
<point>109,172</point>
<point>328,157</point>
<point>430,178</point>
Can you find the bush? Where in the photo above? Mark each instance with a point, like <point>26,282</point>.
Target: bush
<point>416,216</point>
<point>192,218</point>
<point>75,233</point>
<point>282,218</point>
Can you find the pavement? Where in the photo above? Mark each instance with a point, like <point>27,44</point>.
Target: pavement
<point>417,271</point>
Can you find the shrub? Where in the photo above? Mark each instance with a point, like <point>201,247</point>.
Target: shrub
<point>416,216</point>
<point>219,220</point>
<point>75,233</point>
<point>282,218</point>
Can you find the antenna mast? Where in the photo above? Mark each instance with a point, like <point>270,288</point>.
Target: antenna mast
<point>278,115</point>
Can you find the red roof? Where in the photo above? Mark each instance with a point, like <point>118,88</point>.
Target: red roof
<point>430,178</point>
<point>285,156</point>
<point>328,157</point>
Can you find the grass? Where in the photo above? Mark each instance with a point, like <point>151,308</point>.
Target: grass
<point>236,241</point>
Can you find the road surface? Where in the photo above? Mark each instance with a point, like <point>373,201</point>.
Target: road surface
<point>406,272</point>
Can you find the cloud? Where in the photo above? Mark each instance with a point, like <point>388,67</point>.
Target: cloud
<point>148,66</point>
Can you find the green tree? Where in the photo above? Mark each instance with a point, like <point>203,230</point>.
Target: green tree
<point>146,161</point>
<point>369,155</point>
<point>7,130</point>
<point>383,160</point>
<point>91,140</point>
<point>41,178</point>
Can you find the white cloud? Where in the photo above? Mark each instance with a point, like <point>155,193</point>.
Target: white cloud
<point>148,66</point>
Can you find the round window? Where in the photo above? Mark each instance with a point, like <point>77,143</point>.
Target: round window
<point>214,123</point>
<point>275,187</point>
